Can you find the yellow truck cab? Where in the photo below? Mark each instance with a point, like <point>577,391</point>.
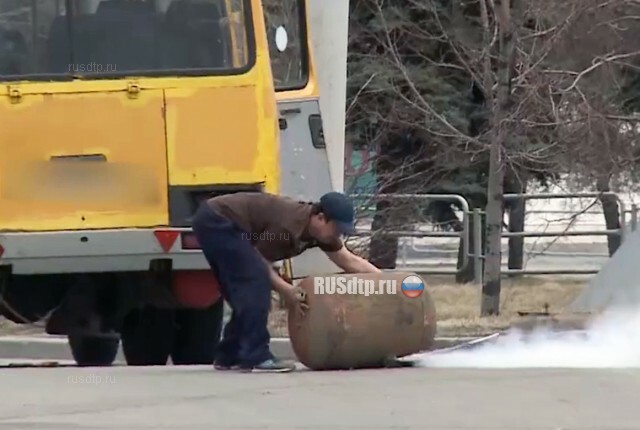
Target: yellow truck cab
<point>119,117</point>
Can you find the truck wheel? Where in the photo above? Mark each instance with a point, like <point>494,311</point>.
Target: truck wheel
<point>93,350</point>
<point>147,336</point>
<point>197,335</point>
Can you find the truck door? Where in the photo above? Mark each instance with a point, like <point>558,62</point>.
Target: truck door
<point>79,154</point>
<point>303,155</point>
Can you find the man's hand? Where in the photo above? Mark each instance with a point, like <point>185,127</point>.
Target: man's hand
<point>295,300</point>
<point>294,297</point>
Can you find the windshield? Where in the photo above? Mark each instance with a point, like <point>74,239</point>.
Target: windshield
<point>285,21</point>
<point>100,38</point>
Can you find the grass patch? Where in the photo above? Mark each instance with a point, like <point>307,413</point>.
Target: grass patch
<point>458,306</point>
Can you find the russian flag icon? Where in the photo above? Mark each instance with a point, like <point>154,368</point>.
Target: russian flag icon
<point>412,286</point>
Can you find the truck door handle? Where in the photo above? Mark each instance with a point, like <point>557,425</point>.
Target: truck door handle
<point>79,157</point>
<point>290,111</point>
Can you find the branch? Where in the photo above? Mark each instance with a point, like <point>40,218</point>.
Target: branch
<point>414,90</point>
<point>594,66</point>
<point>355,98</point>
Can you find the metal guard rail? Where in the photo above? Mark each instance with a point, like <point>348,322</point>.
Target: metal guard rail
<point>463,234</point>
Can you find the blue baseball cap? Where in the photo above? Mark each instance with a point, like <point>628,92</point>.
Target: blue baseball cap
<point>339,208</point>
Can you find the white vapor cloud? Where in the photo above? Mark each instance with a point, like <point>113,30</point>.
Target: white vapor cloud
<point>610,341</point>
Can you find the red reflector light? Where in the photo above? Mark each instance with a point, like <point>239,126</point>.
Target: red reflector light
<point>1,250</point>
<point>166,238</point>
<point>189,241</point>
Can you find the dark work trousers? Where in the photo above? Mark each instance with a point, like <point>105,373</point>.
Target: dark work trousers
<point>245,284</point>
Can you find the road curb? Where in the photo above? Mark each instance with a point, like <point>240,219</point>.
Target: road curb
<point>36,348</point>
<point>56,348</point>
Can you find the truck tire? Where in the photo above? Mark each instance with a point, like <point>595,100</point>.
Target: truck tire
<point>197,335</point>
<point>147,336</point>
<point>93,350</point>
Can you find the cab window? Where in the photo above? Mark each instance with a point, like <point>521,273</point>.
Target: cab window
<point>285,21</point>
<point>94,38</point>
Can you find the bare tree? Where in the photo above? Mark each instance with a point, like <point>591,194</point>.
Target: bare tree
<point>546,79</point>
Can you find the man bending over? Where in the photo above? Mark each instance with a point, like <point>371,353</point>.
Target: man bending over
<point>241,234</point>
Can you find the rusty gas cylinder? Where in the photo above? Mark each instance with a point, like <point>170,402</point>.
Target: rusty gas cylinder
<point>356,321</point>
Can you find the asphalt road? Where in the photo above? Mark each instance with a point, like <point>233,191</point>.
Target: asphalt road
<point>198,398</point>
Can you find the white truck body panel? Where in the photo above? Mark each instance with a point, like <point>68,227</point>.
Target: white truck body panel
<point>329,31</point>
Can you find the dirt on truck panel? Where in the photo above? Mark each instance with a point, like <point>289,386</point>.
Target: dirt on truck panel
<point>83,166</point>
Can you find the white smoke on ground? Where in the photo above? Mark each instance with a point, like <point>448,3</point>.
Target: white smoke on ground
<point>610,341</point>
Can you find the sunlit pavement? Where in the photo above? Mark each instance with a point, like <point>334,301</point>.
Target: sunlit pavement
<point>198,398</point>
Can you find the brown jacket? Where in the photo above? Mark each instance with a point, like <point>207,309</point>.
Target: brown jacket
<point>275,225</point>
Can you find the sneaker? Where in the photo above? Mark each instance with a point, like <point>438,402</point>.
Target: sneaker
<point>224,366</point>
<point>271,366</point>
